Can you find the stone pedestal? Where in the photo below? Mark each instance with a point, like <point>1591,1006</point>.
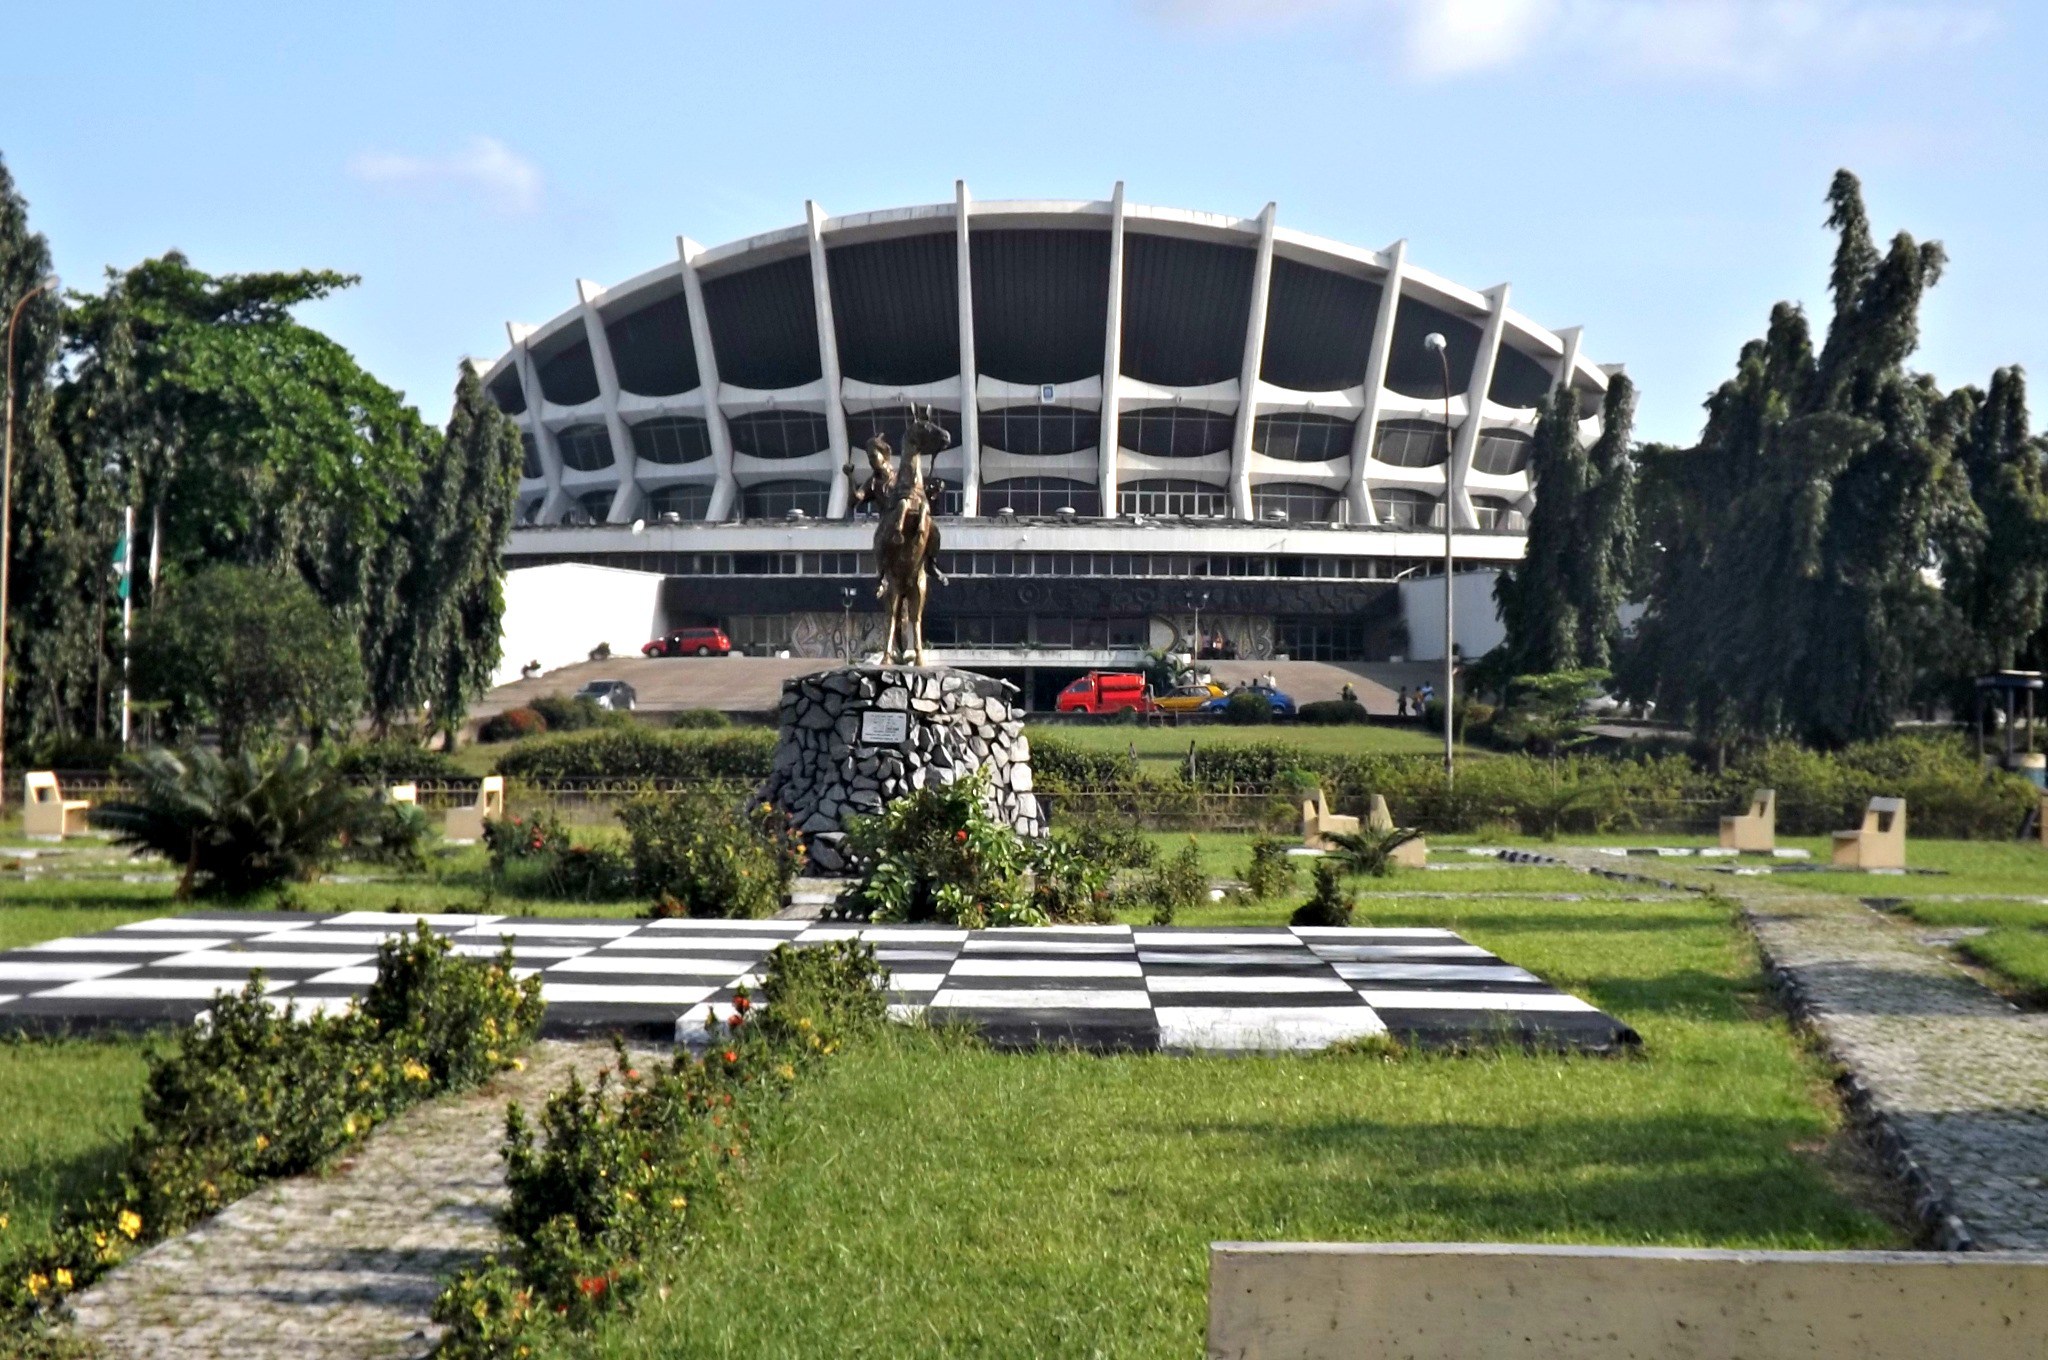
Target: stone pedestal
<point>856,738</point>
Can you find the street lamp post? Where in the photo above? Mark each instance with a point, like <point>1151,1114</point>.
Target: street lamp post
<point>48,283</point>
<point>1436,342</point>
<point>1197,601</point>
<point>846,594</point>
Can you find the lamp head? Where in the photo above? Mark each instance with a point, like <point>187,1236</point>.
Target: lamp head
<point>1434,342</point>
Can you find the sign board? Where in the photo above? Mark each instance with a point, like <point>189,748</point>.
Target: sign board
<point>1045,394</point>
<point>879,727</point>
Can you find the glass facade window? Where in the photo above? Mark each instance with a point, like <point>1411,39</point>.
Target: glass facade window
<point>585,448</point>
<point>779,434</point>
<point>1040,496</point>
<point>890,423</point>
<point>1319,639</point>
<point>1407,509</point>
<point>1303,436</point>
<point>1299,503</point>
<point>774,500</point>
<point>1040,430</point>
<point>1502,452</point>
<point>597,505</point>
<point>1171,496</point>
<point>529,455</point>
<point>1412,443</point>
<point>1495,512</point>
<point>687,503</point>
<point>758,634</point>
<point>672,439</point>
<point>1035,630</point>
<point>1176,431</point>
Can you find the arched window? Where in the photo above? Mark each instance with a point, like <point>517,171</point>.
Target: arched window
<point>1412,443</point>
<point>529,466</point>
<point>1300,503</point>
<point>1303,436</point>
<point>1040,430</point>
<point>1495,512</point>
<point>1407,509</point>
<point>1176,431</point>
<point>688,502</point>
<point>774,500</point>
<point>1171,496</point>
<point>597,505</point>
<point>780,434</point>
<point>1501,452</point>
<point>672,439</point>
<point>585,448</point>
<point>1040,496</point>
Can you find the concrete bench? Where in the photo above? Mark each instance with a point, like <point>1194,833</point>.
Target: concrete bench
<point>402,793</point>
<point>1472,1301</point>
<point>1754,831</point>
<point>46,814</point>
<point>1407,855</point>
<point>1880,843</point>
<point>467,823</point>
<point>1318,823</point>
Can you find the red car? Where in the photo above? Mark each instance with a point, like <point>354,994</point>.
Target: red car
<point>1106,692</point>
<point>690,642</point>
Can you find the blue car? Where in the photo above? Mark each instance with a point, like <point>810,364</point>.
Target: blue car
<point>1282,704</point>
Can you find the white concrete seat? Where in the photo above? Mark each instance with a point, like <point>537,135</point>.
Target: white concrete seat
<point>1754,831</point>
<point>467,823</point>
<point>1880,843</point>
<point>46,813</point>
<point>1318,823</point>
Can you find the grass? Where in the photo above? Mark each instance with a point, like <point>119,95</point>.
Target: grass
<point>70,1104</point>
<point>1165,745</point>
<point>2019,954</point>
<point>926,1197</point>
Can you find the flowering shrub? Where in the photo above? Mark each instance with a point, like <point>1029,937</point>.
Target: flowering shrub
<point>699,857</point>
<point>1069,885</point>
<point>938,854</point>
<point>515,838</point>
<point>613,1169</point>
<point>535,857</point>
<point>511,725</point>
<point>258,1092</point>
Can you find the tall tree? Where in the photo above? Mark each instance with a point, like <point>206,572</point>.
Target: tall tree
<point>52,583</point>
<point>490,456</point>
<point>1995,563</point>
<point>1561,603</point>
<point>1800,598</point>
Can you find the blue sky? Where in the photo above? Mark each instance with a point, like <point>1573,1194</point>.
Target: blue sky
<point>1651,169</point>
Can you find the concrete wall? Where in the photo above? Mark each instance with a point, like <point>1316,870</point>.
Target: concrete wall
<point>1475,623</point>
<point>556,614</point>
<point>1281,1301</point>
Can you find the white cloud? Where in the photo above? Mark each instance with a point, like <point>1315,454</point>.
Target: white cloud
<point>1752,40</point>
<point>485,167</point>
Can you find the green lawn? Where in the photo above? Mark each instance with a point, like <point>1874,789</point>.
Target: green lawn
<point>928,1198</point>
<point>2019,954</point>
<point>1167,744</point>
<point>70,1105</point>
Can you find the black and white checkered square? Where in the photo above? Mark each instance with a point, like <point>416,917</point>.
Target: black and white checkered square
<point>1239,989</point>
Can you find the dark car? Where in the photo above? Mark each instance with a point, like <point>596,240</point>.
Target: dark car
<point>612,694</point>
<point>690,642</point>
<point>1282,704</point>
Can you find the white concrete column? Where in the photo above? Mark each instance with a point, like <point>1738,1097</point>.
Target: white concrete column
<point>1248,380</point>
<point>1112,357</point>
<point>1457,504</point>
<point>828,357</point>
<point>1359,492</point>
<point>624,457</point>
<point>970,408</point>
<point>1568,362</point>
<point>543,438</point>
<point>725,492</point>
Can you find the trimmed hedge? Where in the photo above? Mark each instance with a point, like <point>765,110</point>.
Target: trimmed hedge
<point>395,761</point>
<point>630,753</point>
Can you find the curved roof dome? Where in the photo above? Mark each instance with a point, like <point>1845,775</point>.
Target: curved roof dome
<point>1096,351</point>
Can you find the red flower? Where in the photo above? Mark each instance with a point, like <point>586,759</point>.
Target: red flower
<point>740,1003</point>
<point>731,1056</point>
<point>960,837</point>
<point>593,1286</point>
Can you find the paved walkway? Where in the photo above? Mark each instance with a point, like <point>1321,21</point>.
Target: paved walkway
<point>342,1266</point>
<point>1952,1078</point>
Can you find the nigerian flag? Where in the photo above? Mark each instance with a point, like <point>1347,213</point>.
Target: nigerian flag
<point>121,565</point>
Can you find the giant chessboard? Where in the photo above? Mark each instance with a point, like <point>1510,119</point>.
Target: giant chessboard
<point>1094,987</point>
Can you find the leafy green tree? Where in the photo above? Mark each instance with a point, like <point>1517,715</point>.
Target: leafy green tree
<point>249,652</point>
<point>1995,563</point>
<point>1547,713</point>
<point>1607,522</point>
<point>1789,588</point>
<point>51,584</point>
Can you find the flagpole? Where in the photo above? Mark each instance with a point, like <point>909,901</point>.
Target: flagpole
<point>127,607</point>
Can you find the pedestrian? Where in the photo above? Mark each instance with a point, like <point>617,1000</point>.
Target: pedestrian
<point>1349,694</point>
<point>1401,702</point>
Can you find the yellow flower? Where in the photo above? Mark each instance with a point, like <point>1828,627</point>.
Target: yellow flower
<point>63,1278</point>
<point>786,1072</point>
<point>348,1126</point>
<point>416,1071</point>
<point>37,1284</point>
<point>3,1222</point>
<point>519,1064</point>
<point>262,1141</point>
<point>677,1202</point>
<point>130,1222</point>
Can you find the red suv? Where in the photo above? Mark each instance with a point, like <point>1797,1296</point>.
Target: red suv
<point>690,642</point>
<point>1106,692</point>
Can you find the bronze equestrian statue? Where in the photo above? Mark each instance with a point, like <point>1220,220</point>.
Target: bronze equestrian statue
<point>907,539</point>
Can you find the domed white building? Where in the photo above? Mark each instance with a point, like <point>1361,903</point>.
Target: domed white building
<point>1154,412</point>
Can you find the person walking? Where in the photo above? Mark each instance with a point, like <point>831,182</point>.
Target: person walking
<point>1401,702</point>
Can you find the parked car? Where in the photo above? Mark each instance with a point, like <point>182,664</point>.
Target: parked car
<point>1106,692</point>
<point>613,694</point>
<point>690,642</point>
<point>1188,698</point>
<point>1282,704</point>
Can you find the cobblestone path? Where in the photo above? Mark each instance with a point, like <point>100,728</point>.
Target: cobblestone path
<point>1952,1078</point>
<point>340,1266</point>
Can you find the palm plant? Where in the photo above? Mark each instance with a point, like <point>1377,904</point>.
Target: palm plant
<point>1369,852</point>
<point>238,824</point>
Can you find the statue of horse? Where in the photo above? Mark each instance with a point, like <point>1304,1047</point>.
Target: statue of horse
<point>907,538</point>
